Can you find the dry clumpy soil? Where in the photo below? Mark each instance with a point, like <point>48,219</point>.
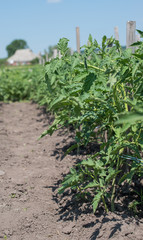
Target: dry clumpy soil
<point>30,174</point>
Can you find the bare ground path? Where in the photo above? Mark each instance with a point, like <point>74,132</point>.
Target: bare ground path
<point>30,171</point>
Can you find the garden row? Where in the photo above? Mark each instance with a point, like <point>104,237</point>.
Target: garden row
<point>100,94</point>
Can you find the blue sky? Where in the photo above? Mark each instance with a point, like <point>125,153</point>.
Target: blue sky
<point>42,23</point>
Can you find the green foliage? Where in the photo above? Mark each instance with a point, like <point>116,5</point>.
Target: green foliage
<point>99,93</point>
<point>35,61</point>
<point>15,45</point>
<point>3,62</point>
<point>100,89</point>
<point>63,46</point>
<point>135,203</point>
<point>21,83</point>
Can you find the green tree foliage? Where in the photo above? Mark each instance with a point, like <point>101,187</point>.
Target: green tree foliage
<point>15,45</point>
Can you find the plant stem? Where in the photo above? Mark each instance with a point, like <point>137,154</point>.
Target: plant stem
<point>125,97</point>
<point>105,205</point>
<point>113,195</point>
<point>91,66</point>
<point>113,188</point>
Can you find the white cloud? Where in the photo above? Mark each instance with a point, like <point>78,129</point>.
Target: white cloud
<point>53,1</point>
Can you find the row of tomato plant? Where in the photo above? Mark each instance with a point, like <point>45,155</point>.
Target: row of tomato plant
<point>22,83</point>
<point>100,94</point>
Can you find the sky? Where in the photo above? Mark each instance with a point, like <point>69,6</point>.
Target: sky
<point>41,23</point>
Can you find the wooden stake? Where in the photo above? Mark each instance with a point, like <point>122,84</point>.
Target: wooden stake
<point>47,58</point>
<point>78,39</point>
<point>130,34</point>
<point>40,58</point>
<point>60,55</point>
<point>116,33</point>
<point>55,53</point>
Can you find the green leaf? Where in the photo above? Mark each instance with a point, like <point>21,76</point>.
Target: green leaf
<point>130,118</point>
<point>81,77</point>
<point>75,63</point>
<point>127,53</point>
<point>92,184</point>
<point>63,45</point>
<point>96,201</point>
<point>125,127</point>
<point>130,102</point>
<point>74,146</point>
<point>90,39</point>
<point>136,44</point>
<point>88,82</point>
<point>57,103</point>
<point>71,180</point>
<point>89,162</point>
<point>140,56</point>
<point>135,68</point>
<point>128,177</point>
<point>51,129</point>
<point>140,32</point>
<point>112,173</point>
<point>112,79</point>
<point>104,41</point>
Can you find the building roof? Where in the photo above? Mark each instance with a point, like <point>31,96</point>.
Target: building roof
<point>22,55</point>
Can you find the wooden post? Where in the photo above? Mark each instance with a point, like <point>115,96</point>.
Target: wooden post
<point>72,51</point>
<point>60,55</point>
<point>47,58</point>
<point>43,61</point>
<point>55,53</point>
<point>40,58</point>
<point>116,33</point>
<point>130,34</point>
<point>78,39</point>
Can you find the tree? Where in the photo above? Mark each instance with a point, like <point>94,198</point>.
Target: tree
<point>15,45</point>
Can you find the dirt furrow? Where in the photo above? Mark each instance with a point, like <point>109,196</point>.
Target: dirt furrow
<point>30,173</point>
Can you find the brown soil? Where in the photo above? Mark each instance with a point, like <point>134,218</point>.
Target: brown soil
<point>30,174</point>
